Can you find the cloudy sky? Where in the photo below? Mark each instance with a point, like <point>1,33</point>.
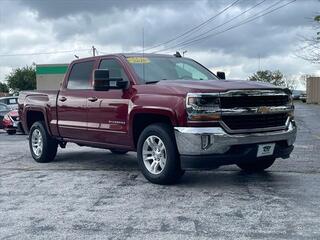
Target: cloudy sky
<point>231,43</point>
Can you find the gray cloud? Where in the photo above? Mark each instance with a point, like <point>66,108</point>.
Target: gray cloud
<point>112,26</point>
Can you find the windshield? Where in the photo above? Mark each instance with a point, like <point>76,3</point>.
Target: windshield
<point>153,69</point>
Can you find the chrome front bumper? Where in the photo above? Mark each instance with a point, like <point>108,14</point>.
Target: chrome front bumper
<point>214,140</point>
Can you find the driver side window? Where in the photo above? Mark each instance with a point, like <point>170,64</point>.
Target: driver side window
<point>115,69</point>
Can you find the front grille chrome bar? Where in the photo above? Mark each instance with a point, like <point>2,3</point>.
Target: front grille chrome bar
<point>257,110</point>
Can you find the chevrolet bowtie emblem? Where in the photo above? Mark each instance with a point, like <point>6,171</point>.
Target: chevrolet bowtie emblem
<point>263,110</point>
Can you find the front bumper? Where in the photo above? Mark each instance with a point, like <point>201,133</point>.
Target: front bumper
<point>201,144</point>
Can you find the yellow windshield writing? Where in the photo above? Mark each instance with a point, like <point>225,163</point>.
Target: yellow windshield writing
<point>139,60</point>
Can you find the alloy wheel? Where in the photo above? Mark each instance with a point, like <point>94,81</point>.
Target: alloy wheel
<point>154,154</point>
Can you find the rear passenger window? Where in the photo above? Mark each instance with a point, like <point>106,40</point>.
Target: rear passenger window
<point>80,75</point>
<point>114,67</point>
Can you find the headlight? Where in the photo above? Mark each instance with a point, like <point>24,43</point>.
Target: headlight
<point>203,107</point>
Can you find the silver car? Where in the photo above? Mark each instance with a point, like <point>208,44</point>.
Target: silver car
<point>11,102</point>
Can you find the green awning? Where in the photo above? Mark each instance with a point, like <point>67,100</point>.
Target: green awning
<point>60,69</point>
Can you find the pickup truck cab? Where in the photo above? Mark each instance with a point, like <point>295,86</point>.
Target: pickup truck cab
<point>174,112</point>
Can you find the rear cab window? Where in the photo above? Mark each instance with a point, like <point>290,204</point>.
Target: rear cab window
<point>80,75</point>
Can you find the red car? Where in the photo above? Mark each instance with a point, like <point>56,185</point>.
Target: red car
<point>11,122</point>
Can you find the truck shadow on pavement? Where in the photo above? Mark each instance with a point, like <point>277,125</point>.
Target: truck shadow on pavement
<point>221,178</point>
<point>103,160</point>
<point>97,160</point>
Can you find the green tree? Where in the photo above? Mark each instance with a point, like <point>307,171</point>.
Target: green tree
<point>273,77</point>
<point>4,88</point>
<point>22,79</point>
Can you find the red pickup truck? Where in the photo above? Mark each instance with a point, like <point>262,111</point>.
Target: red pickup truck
<point>171,110</point>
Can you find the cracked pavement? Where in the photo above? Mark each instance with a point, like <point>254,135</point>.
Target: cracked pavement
<point>90,193</point>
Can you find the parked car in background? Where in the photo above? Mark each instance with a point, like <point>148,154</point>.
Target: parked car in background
<point>11,122</point>
<point>4,109</point>
<point>303,96</point>
<point>11,102</point>
<point>296,94</point>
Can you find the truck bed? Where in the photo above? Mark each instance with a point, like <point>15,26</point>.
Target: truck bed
<point>44,101</point>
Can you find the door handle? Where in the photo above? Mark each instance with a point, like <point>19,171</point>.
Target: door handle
<point>62,99</point>
<point>92,99</point>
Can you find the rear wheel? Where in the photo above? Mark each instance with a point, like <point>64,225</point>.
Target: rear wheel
<point>43,147</point>
<point>116,151</point>
<point>257,165</point>
<point>158,155</point>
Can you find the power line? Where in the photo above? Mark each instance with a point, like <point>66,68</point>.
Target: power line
<point>224,23</point>
<point>247,20</point>
<point>195,28</point>
<point>43,53</point>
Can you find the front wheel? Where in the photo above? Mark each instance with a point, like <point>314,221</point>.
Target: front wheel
<point>158,155</point>
<point>43,147</point>
<point>258,165</point>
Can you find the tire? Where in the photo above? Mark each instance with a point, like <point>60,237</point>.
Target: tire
<point>156,145</point>
<point>11,132</point>
<point>258,165</point>
<point>48,146</point>
<point>119,152</point>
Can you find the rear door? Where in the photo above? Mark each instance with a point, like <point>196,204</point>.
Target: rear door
<point>108,110</point>
<point>72,101</point>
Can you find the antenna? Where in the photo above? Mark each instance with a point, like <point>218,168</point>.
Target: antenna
<point>143,73</point>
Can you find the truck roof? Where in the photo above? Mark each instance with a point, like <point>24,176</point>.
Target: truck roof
<point>146,55</point>
<point>126,55</point>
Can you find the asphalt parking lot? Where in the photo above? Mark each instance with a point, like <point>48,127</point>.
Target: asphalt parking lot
<point>91,193</point>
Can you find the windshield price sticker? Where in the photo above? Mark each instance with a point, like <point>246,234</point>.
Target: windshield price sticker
<point>139,60</point>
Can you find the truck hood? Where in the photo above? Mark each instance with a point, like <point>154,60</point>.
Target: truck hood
<point>187,86</point>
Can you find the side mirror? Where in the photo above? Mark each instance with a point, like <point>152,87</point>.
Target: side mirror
<point>221,75</point>
<point>102,81</point>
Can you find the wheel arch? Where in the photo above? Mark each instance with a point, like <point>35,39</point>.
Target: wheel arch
<point>141,119</point>
<point>33,115</point>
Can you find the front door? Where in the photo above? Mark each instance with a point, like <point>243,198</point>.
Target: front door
<point>72,102</point>
<point>108,110</point>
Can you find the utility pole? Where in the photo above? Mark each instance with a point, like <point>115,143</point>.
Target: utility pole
<point>94,51</point>
<point>259,62</point>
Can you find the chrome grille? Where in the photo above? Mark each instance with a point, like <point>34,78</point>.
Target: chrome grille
<point>255,111</point>
<point>253,101</point>
<point>256,121</point>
